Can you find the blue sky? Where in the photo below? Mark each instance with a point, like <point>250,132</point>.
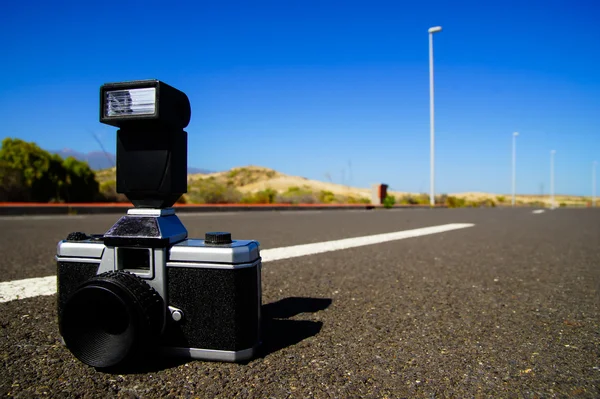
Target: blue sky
<point>312,88</point>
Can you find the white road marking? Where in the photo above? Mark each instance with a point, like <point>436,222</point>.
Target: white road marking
<point>336,245</point>
<point>539,211</point>
<point>41,286</point>
<point>28,288</point>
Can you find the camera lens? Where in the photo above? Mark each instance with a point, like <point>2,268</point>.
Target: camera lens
<point>109,318</point>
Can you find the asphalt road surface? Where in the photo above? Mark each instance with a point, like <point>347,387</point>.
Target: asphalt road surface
<point>509,307</point>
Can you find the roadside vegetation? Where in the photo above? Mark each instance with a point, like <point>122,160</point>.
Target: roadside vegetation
<point>211,191</point>
<point>28,173</point>
<point>443,199</point>
<point>31,174</point>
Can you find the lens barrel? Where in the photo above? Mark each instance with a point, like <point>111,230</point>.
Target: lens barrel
<point>110,317</point>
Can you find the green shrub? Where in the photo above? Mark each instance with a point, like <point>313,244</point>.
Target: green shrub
<point>481,203</point>
<point>266,196</point>
<point>210,191</point>
<point>562,204</point>
<point>441,199</point>
<point>326,197</point>
<point>487,202</point>
<point>297,195</point>
<point>421,199</point>
<point>108,190</point>
<point>500,198</point>
<point>12,184</point>
<point>296,199</point>
<point>28,172</point>
<point>389,201</point>
<point>455,202</point>
<point>79,184</point>
<point>407,200</point>
<point>354,200</point>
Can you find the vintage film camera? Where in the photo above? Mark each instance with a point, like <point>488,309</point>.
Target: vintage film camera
<point>144,286</point>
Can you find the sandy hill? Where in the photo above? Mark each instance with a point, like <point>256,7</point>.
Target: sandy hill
<point>253,178</point>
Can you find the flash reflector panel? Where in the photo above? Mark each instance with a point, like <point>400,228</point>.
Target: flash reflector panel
<point>131,102</point>
<point>144,104</point>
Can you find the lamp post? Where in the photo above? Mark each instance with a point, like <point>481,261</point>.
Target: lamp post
<point>432,30</point>
<point>552,178</point>
<point>514,167</point>
<point>594,183</point>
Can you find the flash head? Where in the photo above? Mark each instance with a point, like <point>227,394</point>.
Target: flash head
<point>151,142</point>
<point>139,102</point>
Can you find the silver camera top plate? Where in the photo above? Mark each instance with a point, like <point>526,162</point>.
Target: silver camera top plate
<point>80,249</point>
<point>196,250</point>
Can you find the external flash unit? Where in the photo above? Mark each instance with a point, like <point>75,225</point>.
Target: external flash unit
<point>133,103</point>
<point>151,142</point>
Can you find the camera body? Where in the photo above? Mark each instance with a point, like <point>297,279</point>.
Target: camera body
<point>145,287</point>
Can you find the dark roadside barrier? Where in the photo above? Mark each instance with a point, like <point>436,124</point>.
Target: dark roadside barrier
<point>29,208</point>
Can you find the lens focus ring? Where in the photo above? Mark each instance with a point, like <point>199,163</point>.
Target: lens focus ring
<point>110,317</point>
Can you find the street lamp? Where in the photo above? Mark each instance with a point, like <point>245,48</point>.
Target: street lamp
<point>594,183</point>
<point>552,178</point>
<point>514,167</point>
<point>431,31</point>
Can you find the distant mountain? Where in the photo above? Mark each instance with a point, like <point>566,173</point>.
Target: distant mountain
<point>98,160</point>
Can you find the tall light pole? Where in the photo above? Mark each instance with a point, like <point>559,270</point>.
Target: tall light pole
<point>432,30</point>
<point>594,183</point>
<point>552,178</point>
<point>514,167</point>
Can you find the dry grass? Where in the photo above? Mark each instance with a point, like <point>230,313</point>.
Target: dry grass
<point>571,200</point>
<point>105,175</point>
<point>252,179</point>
